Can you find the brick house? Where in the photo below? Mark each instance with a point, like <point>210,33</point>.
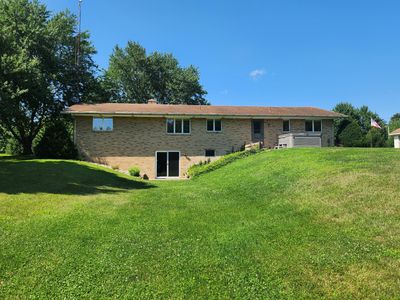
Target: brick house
<point>164,140</point>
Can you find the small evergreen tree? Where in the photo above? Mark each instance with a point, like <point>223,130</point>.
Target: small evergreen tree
<point>352,136</point>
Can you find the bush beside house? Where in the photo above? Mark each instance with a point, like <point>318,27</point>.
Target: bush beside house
<point>134,171</point>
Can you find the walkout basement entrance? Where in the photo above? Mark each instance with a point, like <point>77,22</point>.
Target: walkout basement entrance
<point>167,164</point>
<point>257,131</point>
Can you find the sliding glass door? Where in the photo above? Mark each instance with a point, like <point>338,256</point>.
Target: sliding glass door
<point>167,163</point>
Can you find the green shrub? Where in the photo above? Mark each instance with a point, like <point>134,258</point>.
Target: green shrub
<point>134,171</point>
<point>376,138</point>
<point>13,147</point>
<point>204,167</point>
<point>390,142</point>
<point>352,136</point>
<point>3,140</point>
<point>9,144</point>
<point>55,141</point>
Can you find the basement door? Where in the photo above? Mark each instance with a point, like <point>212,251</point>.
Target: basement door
<point>257,131</point>
<point>167,164</point>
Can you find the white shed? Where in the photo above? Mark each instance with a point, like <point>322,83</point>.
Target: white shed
<point>396,135</point>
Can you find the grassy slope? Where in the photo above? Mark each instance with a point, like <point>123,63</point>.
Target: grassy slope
<point>283,224</point>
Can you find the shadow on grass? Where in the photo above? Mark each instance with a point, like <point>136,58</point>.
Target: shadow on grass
<point>60,177</point>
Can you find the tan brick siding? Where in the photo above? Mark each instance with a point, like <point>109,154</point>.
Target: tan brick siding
<point>328,139</point>
<point>274,128</point>
<point>134,141</point>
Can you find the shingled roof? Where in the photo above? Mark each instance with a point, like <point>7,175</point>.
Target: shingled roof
<point>128,109</point>
<point>396,132</point>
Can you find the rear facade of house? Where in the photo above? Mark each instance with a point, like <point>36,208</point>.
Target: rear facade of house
<point>165,140</point>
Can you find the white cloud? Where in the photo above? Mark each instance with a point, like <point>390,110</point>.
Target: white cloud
<point>257,73</point>
<point>224,92</point>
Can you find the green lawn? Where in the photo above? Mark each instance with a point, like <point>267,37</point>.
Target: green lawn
<point>321,223</point>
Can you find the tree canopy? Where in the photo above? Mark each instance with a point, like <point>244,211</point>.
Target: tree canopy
<point>133,76</point>
<point>394,122</point>
<point>38,76</point>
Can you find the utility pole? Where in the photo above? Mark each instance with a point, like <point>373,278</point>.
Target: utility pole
<point>78,52</point>
<point>78,38</point>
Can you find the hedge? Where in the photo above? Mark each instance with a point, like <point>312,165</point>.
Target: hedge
<point>205,167</point>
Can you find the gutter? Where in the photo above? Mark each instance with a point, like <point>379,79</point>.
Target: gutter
<point>203,116</point>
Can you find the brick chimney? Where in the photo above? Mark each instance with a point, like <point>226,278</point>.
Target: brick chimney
<point>152,101</point>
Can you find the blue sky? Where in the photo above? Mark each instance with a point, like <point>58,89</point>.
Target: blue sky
<point>274,53</point>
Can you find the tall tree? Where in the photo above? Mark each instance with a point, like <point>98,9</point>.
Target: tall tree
<point>364,118</point>
<point>133,76</point>
<point>38,76</point>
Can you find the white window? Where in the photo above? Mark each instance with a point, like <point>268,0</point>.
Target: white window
<point>178,126</point>
<point>286,125</point>
<point>103,124</point>
<point>313,125</point>
<point>214,125</point>
<point>318,126</point>
<point>209,153</point>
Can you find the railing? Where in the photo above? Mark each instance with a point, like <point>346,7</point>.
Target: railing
<point>255,145</point>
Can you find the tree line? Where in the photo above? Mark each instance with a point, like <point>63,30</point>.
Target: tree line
<point>41,75</point>
<point>356,129</point>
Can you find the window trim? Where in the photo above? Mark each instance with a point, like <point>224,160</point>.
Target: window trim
<point>313,125</point>
<point>205,152</point>
<point>102,118</point>
<point>290,126</point>
<point>178,133</point>
<point>213,131</point>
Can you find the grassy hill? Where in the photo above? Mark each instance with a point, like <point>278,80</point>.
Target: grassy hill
<point>320,223</point>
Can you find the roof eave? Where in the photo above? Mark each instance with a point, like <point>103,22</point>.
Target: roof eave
<point>232,116</point>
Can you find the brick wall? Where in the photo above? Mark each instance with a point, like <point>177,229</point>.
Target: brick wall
<point>134,141</point>
<point>328,139</point>
<point>274,128</point>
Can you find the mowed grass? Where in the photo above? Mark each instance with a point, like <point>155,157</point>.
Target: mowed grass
<point>289,224</point>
